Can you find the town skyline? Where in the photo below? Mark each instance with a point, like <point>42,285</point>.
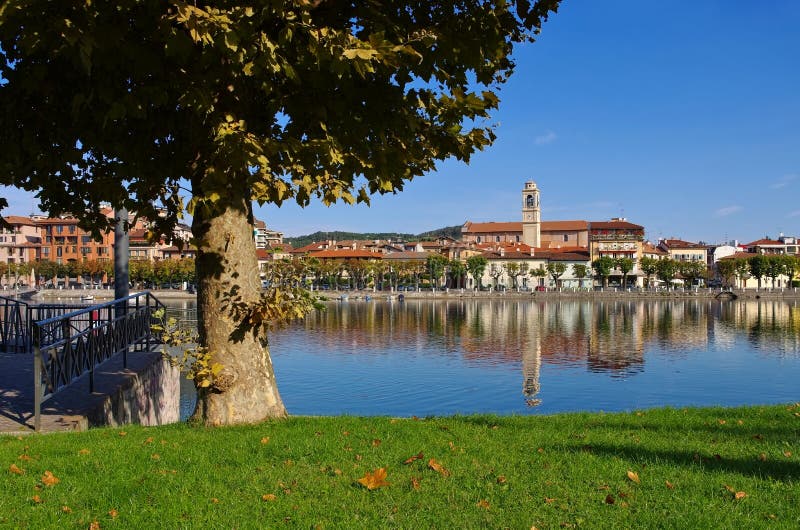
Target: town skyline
<point>685,125</point>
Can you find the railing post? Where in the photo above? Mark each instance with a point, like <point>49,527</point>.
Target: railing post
<point>37,380</point>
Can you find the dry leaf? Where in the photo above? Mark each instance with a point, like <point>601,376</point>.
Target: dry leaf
<point>66,509</point>
<point>94,526</point>
<point>265,440</point>
<point>739,495</point>
<point>730,489</point>
<point>148,441</point>
<point>740,422</point>
<point>155,456</point>
<point>548,500</point>
<point>24,458</point>
<point>13,468</point>
<point>268,497</point>
<point>610,499</point>
<point>763,457</point>
<point>214,500</point>
<point>113,513</point>
<point>415,483</point>
<point>436,466</point>
<point>412,459</point>
<point>540,450</point>
<point>48,479</point>
<point>787,454</point>
<point>36,499</point>
<point>483,503</point>
<point>670,485</point>
<point>722,422</point>
<point>634,477</point>
<point>123,433</point>
<point>501,479</point>
<point>376,442</point>
<point>374,480</point>
<point>84,452</point>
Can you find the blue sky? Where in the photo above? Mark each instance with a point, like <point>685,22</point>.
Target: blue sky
<point>681,116</point>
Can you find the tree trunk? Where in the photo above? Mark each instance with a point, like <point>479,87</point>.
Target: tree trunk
<point>227,272</point>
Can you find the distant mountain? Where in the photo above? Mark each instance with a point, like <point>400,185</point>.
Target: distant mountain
<point>301,241</point>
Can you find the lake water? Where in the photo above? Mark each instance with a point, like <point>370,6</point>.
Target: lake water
<point>419,358</point>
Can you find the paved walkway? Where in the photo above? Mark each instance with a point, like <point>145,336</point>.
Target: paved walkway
<point>70,408</point>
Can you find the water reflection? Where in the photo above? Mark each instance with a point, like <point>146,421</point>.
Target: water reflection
<point>514,356</point>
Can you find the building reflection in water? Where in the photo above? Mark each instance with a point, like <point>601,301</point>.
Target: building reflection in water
<point>608,337</point>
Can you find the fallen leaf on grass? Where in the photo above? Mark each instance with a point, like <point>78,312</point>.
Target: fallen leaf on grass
<point>729,488</point>
<point>739,495</point>
<point>24,458</point>
<point>123,433</point>
<point>374,480</point>
<point>670,485</point>
<point>610,499</point>
<point>48,479</point>
<point>436,466</point>
<point>94,525</point>
<point>13,468</point>
<point>763,457</point>
<point>265,440</point>
<point>214,500</point>
<point>483,503</point>
<point>113,513</point>
<point>148,441</point>
<point>634,477</point>
<point>415,483</point>
<point>155,456</point>
<point>501,479</point>
<point>722,422</point>
<point>37,499</point>
<point>412,459</point>
<point>548,500</point>
<point>376,442</point>
<point>84,452</point>
<point>787,454</point>
<point>66,509</point>
<point>268,497</point>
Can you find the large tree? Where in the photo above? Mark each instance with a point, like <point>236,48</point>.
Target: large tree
<point>214,105</point>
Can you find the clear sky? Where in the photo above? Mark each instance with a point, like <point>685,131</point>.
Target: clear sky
<point>681,116</point>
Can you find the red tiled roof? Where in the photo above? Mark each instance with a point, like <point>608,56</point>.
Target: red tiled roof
<point>408,255</point>
<point>677,243</point>
<point>311,247</point>
<point>346,254</point>
<point>564,226</point>
<point>19,220</point>
<point>612,225</point>
<point>569,256</point>
<point>740,255</point>
<point>763,242</point>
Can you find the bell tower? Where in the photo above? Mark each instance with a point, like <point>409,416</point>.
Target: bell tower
<point>531,215</point>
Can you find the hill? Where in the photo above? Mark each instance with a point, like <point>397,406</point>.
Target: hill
<point>300,241</point>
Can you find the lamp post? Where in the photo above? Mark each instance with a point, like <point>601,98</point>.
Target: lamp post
<point>121,254</point>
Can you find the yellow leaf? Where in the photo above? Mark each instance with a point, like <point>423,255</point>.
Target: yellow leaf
<point>48,479</point>
<point>155,456</point>
<point>66,509</point>
<point>149,440</point>
<point>634,477</point>
<point>94,525</point>
<point>415,483</point>
<point>16,470</point>
<point>762,457</point>
<point>374,480</point>
<point>268,497</point>
<point>739,495</point>
<point>214,500</point>
<point>376,442</point>
<point>37,499</point>
<point>436,466</point>
<point>123,433</point>
<point>787,454</point>
<point>548,500</point>
<point>670,485</point>
<point>113,513</point>
<point>24,458</point>
<point>265,440</point>
<point>729,488</point>
<point>483,503</point>
<point>84,452</point>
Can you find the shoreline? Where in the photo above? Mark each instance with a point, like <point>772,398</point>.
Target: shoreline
<point>455,294</point>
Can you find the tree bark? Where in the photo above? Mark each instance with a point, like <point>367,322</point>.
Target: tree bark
<point>227,274</point>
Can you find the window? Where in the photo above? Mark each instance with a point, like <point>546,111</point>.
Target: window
<point>566,238</point>
<point>529,201</point>
<point>71,229</point>
<point>479,239</point>
<point>517,239</point>
<point>60,229</point>
<point>86,239</point>
<point>497,239</point>
<point>59,252</point>
<point>86,250</point>
<point>45,252</point>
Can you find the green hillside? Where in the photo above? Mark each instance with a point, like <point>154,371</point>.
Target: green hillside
<point>300,241</point>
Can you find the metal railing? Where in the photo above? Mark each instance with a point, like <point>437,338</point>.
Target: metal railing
<point>68,346</point>
<point>17,317</point>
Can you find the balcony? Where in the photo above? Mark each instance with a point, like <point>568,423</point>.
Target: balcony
<point>616,237</point>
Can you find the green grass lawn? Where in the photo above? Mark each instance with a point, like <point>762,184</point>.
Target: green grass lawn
<point>666,468</point>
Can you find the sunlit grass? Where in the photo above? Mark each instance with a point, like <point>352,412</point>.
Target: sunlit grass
<point>563,471</point>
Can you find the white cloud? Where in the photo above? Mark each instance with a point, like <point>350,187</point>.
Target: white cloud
<point>795,213</point>
<point>727,210</point>
<point>546,138</point>
<point>782,182</point>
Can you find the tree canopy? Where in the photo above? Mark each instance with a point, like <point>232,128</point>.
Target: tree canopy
<point>164,106</point>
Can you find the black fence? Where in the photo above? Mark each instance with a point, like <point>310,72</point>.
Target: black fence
<point>17,318</point>
<point>69,345</point>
